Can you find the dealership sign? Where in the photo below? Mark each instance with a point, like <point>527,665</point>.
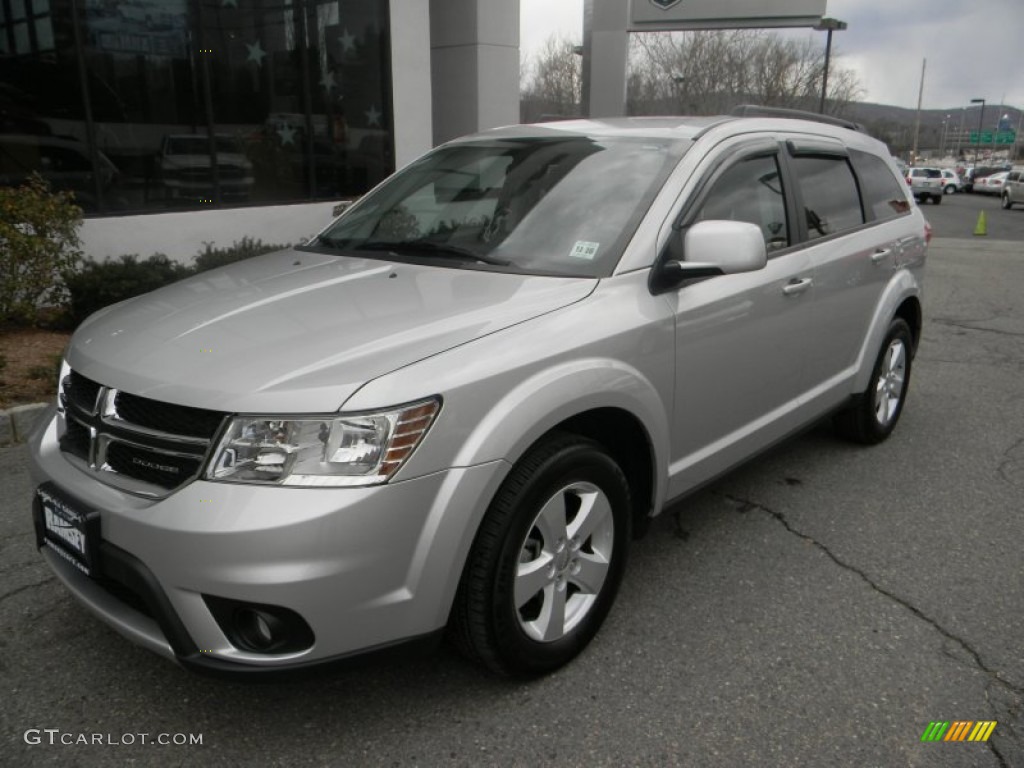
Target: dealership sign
<point>715,14</point>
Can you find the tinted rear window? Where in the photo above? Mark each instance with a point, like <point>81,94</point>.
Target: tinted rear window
<point>881,191</point>
<point>831,202</point>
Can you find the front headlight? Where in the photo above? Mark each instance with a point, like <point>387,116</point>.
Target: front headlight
<point>335,449</point>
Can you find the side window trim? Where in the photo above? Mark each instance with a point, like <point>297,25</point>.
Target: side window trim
<point>720,165</point>
<point>803,238</point>
<point>770,148</point>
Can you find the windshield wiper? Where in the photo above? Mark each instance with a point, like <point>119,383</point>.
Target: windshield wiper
<point>426,246</point>
<point>331,242</point>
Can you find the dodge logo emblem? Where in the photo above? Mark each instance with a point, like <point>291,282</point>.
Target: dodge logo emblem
<point>665,4</point>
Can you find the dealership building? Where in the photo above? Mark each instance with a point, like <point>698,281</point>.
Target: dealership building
<point>180,122</point>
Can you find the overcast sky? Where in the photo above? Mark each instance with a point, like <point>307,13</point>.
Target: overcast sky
<point>975,48</point>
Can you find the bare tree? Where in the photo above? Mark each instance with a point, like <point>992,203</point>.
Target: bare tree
<point>711,72</point>
<point>551,82</point>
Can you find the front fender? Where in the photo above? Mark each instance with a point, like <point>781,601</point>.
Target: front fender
<point>541,402</point>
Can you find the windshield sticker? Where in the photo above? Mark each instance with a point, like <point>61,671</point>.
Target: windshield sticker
<point>584,250</point>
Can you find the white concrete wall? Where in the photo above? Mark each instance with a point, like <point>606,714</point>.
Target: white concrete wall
<point>410,68</point>
<point>474,60</point>
<point>182,234</point>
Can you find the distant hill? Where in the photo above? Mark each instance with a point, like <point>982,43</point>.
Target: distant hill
<point>895,125</point>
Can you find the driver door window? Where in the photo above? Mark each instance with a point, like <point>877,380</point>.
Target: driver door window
<point>751,191</point>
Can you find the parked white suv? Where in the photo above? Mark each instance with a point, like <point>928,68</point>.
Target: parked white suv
<point>926,184</point>
<point>458,404</point>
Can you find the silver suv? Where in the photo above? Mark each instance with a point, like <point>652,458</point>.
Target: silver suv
<point>458,404</point>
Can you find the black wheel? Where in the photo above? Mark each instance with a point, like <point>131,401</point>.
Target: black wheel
<point>1006,202</point>
<point>936,199</point>
<point>873,415</point>
<point>546,563</point>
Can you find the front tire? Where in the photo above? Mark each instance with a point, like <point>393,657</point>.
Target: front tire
<point>873,415</point>
<point>545,566</point>
<point>1007,205</point>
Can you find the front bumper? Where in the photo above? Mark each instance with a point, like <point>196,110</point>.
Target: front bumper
<point>364,567</point>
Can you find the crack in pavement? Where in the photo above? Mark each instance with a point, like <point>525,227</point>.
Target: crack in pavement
<point>969,327</point>
<point>745,505</point>
<point>1009,459</point>
<point>19,590</point>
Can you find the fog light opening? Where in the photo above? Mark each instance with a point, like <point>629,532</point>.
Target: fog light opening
<point>259,630</point>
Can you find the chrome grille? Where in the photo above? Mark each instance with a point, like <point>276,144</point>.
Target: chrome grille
<point>140,445</point>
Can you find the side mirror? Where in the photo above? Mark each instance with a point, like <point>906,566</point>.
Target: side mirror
<point>732,246</point>
<point>713,248</point>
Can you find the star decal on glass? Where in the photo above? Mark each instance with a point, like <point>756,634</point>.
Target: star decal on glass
<point>287,134</point>
<point>373,115</point>
<point>348,41</point>
<point>328,81</point>
<point>256,53</point>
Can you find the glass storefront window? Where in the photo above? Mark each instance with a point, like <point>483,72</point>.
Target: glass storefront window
<point>178,104</point>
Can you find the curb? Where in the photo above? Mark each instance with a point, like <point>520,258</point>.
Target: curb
<point>16,423</point>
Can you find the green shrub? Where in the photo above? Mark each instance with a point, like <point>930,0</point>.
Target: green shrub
<point>96,284</point>
<point>210,257</point>
<point>38,244</point>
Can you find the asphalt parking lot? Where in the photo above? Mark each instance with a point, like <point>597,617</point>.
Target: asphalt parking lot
<point>818,607</point>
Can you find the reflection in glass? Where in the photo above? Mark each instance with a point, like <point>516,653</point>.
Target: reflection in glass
<point>296,94</point>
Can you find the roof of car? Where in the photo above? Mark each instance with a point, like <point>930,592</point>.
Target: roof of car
<point>743,118</point>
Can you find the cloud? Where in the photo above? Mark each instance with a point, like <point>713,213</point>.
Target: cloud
<point>973,48</point>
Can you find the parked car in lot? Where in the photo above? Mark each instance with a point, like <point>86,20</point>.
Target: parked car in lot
<point>63,162</point>
<point>991,185</point>
<point>951,181</point>
<point>1013,189</point>
<point>973,174</point>
<point>457,405</point>
<point>188,174</point>
<point>926,184</point>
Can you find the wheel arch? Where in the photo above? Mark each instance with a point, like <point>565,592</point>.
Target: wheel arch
<point>625,439</point>
<point>901,299</point>
<point>910,310</point>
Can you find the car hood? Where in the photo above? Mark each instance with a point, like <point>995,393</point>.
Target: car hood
<point>300,331</point>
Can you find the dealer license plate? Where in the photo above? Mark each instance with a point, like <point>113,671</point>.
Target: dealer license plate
<point>67,528</point>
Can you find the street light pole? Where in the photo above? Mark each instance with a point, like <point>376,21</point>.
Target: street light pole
<point>981,120</point>
<point>960,133</point>
<point>830,25</point>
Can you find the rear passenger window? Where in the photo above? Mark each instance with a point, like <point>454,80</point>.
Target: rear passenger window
<point>750,191</point>
<point>884,198</point>
<point>831,202</point>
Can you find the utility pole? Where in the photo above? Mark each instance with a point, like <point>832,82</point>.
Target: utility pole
<point>960,133</point>
<point>917,119</point>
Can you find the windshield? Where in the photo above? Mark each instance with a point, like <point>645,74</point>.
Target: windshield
<point>565,205</point>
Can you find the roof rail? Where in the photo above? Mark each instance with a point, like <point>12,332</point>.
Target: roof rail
<point>754,110</point>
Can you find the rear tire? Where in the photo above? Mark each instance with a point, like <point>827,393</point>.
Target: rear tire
<point>874,413</point>
<point>547,561</point>
<point>950,189</point>
<point>936,199</point>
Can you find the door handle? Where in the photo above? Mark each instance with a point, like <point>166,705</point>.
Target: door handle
<point>797,285</point>
<point>879,255</point>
